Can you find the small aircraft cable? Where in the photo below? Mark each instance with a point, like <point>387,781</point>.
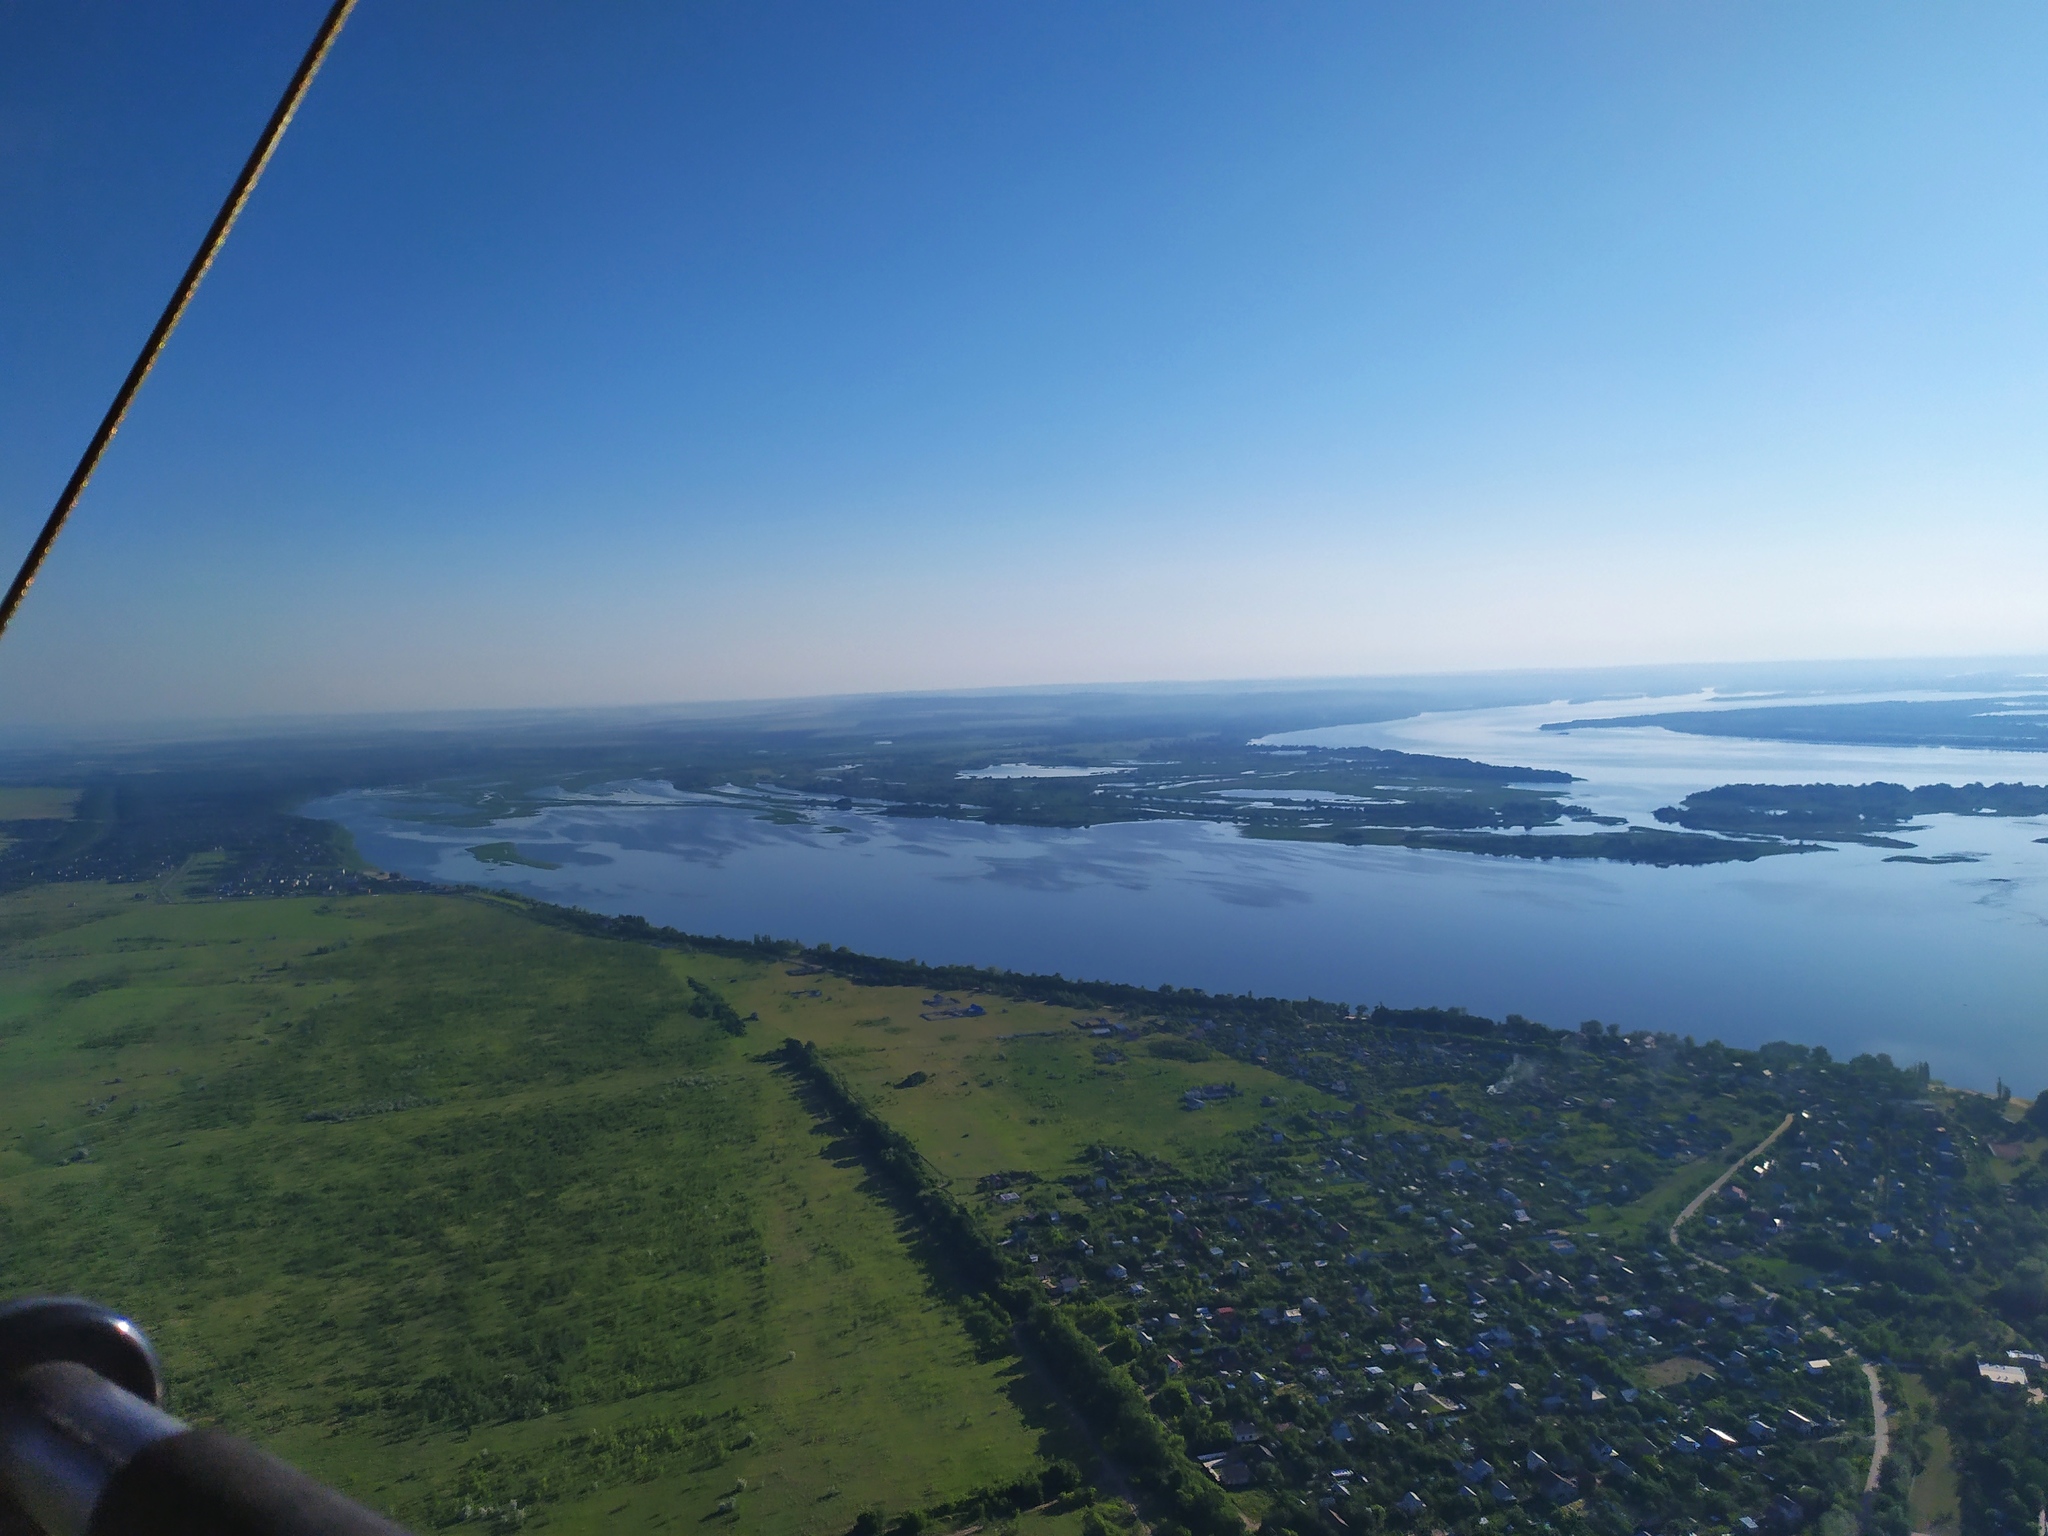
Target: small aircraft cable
<point>216,236</point>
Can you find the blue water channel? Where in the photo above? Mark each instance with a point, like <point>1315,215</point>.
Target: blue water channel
<point>1942,963</point>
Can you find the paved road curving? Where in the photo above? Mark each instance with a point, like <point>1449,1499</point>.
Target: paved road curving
<point>1715,1188</point>
<point>1880,1428</point>
<point>1881,1441</point>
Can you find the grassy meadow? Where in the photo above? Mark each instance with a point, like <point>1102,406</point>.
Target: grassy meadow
<point>457,1209</point>
<point>1017,1088</point>
<point>492,1221</point>
<point>35,802</point>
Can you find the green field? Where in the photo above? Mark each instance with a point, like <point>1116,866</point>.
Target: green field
<point>457,1209</point>
<point>36,803</point>
<point>1935,1500</point>
<point>495,1213</point>
<point>1019,1087</point>
<point>33,803</point>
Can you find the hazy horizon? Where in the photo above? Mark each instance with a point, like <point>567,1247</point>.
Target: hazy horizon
<point>1793,679</point>
<point>732,353</point>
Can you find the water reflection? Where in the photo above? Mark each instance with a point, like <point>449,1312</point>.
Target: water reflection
<point>1935,962</point>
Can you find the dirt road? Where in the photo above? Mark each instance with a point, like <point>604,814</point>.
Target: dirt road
<point>1881,1445</point>
<point>1716,1187</point>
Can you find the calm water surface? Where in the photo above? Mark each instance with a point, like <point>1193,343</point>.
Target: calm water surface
<point>1947,964</point>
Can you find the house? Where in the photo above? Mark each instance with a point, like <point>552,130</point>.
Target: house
<point>1595,1324</point>
<point>1815,1367</point>
<point>1226,1469</point>
<point>1717,1440</point>
<point>1410,1503</point>
<point>2003,1375</point>
<point>1244,1432</point>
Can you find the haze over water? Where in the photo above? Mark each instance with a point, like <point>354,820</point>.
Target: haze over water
<point>1942,963</point>
<point>1631,770</point>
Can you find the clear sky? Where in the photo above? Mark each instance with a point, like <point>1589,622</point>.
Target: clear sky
<point>630,352</point>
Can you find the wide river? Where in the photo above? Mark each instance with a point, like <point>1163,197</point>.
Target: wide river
<point>1940,963</point>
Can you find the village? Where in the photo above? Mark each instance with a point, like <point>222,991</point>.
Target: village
<point>1474,1302</point>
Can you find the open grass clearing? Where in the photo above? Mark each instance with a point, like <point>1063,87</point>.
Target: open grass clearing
<point>1018,1087</point>
<point>455,1208</point>
<point>37,803</point>
<point>1935,1498</point>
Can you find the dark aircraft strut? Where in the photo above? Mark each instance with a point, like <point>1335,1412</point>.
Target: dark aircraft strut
<point>85,1446</point>
<point>86,1450</point>
<point>181,296</point>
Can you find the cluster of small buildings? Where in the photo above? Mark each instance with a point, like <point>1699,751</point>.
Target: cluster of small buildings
<point>1412,1304</point>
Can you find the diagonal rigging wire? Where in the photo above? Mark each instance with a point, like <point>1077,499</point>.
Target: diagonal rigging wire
<point>216,236</point>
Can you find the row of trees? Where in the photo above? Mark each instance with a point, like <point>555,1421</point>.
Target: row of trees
<point>1112,1402</point>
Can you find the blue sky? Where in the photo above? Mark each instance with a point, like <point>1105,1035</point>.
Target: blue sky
<point>638,352</point>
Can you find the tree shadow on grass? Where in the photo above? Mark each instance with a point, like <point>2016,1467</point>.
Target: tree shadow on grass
<point>1059,1430</point>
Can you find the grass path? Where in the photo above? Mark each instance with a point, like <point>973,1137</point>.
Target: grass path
<point>1934,1500</point>
<point>1716,1187</point>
